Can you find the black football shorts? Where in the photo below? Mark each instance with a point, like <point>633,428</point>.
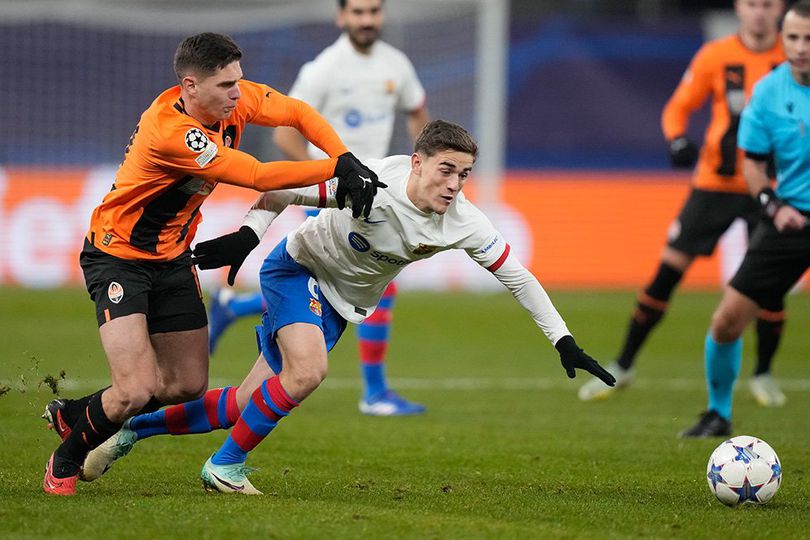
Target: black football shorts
<point>773,263</point>
<point>704,218</point>
<point>168,293</point>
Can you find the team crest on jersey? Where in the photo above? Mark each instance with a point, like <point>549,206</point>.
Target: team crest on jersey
<point>390,86</point>
<point>423,249</point>
<point>115,292</point>
<point>196,141</point>
<point>315,307</point>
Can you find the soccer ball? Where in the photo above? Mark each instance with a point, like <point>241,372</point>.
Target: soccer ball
<point>744,470</point>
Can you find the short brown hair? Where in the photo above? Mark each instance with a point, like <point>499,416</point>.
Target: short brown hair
<point>440,135</point>
<point>205,53</point>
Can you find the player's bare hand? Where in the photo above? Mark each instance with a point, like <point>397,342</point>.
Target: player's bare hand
<point>358,182</point>
<point>572,358</point>
<point>788,219</point>
<point>228,250</point>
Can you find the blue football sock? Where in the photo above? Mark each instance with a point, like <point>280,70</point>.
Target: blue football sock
<point>246,304</point>
<point>373,379</point>
<point>723,362</point>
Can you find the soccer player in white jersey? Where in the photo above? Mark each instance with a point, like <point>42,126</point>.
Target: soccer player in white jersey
<point>358,84</point>
<point>334,269</point>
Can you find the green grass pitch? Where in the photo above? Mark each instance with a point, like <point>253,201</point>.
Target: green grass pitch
<point>505,451</point>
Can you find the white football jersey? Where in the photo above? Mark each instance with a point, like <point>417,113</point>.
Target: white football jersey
<point>354,260</point>
<point>359,94</point>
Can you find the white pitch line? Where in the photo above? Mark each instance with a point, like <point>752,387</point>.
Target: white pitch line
<point>474,383</point>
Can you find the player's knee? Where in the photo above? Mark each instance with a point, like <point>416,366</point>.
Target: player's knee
<point>727,326</point>
<point>308,378</point>
<point>182,391</point>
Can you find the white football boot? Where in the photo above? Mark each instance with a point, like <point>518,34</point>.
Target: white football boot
<point>101,458</point>
<point>231,478</point>
<point>595,389</point>
<point>766,391</point>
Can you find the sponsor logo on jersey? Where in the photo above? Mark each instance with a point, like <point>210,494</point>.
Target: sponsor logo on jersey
<point>107,239</point>
<point>358,242</point>
<point>207,155</point>
<point>115,292</point>
<point>315,307</point>
<point>353,118</point>
<point>423,249</point>
<point>390,259</point>
<point>196,141</point>
<point>196,186</point>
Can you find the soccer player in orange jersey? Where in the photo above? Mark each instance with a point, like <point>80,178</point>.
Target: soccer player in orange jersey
<point>136,258</point>
<point>724,70</point>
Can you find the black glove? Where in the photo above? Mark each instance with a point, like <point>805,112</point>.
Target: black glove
<point>571,356</point>
<point>229,250</point>
<point>683,153</point>
<point>358,181</point>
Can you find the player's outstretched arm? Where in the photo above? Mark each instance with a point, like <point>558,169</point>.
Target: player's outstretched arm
<point>531,295</point>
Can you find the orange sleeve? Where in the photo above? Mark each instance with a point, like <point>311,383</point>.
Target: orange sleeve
<point>690,95</point>
<point>215,163</point>
<point>272,108</point>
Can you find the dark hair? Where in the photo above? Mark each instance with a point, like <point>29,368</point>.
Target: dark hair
<point>205,53</point>
<point>342,3</point>
<point>440,135</point>
<point>801,8</point>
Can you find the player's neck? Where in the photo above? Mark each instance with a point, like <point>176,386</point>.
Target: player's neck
<point>198,114</point>
<point>412,192</point>
<point>757,42</point>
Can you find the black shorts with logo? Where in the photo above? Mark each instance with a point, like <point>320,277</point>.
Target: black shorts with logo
<point>704,218</point>
<point>167,292</point>
<point>773,263</point>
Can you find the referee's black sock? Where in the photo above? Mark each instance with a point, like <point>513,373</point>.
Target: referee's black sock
<point>769,332</point>
<point>90,430</point>
<point>650,308</point>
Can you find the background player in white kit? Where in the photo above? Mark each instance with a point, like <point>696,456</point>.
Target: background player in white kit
<point>358,84</point>
<point>334,269</point>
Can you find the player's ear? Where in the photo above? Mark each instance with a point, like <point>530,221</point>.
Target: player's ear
<point>416,163</point>
<point>340,19</point>
<point>189,84</point>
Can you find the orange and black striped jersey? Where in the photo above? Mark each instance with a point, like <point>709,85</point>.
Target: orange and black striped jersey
<point>727,70</point>
<point>173,162</point>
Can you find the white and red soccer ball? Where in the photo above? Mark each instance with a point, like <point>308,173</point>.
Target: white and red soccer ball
<point>744,469</point>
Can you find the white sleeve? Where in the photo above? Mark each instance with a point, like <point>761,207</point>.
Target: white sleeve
<point>531,295</point>
<point>271,203</point>
<point>412,96</point>
<point>486,246</point>
<point>309,86</point>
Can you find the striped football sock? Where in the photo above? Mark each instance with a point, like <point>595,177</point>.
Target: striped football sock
<point>217,409</point>
<point>373,335</point>
<point>268,404</point>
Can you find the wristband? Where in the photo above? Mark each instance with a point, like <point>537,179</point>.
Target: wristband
<point>769,203</point>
